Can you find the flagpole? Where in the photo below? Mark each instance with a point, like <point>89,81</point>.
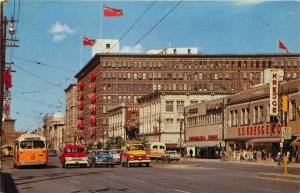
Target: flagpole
<point>81,52</point>
<point>101,19</point>
<point>277,44</point>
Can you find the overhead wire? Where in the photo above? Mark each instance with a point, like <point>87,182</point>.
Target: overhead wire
<point>38,102</point>
<point>138,19</point>
<point>38,77</point>
<point>43,64</point>
<point>157,23</point>
<point>39,90</point>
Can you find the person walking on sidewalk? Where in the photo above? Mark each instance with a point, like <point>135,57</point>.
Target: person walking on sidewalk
<point>191,153</point>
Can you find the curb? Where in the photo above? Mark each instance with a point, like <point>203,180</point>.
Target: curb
<point>1,183</point>
<point>289,177</point>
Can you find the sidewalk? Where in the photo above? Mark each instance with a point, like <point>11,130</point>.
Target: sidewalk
<point>268,162</point>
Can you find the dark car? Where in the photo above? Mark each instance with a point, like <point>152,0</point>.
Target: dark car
<point>101,157</point>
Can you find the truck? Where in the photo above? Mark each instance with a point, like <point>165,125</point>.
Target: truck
<point>135,153</point>
<point>74,155</point>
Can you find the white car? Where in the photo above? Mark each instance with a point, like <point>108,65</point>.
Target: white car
<point>116,154</point>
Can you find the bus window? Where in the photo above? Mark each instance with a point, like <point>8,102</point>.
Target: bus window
<point>38,145</point>
<point>26,144</point>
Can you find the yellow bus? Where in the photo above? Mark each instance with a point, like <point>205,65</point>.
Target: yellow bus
<point>30,150</point>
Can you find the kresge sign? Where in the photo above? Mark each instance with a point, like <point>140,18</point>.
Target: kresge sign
<point>274,92</point>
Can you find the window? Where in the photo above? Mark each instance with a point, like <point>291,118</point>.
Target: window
<point>107,46</point>
<point>233,117</point>
<point>169,106</point>
<point>180,106</point>
<point>168,120</point>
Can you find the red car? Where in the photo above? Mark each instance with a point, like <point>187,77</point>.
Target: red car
<point>74,155</point>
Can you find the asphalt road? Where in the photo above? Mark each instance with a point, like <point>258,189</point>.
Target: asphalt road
<point>204,177</point>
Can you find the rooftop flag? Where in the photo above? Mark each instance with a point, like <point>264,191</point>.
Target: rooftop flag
<point>88,42</point>
<point>282,46</point>
<point>112,12</point>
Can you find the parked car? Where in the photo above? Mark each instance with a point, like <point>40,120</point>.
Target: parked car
<point>116,153</point>
<point>101,157</point>
<point>74,155</point>
<point>52,153</point>
<point>171,156</point>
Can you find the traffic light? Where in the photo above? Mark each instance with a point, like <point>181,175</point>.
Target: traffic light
<point>180,125</point>
<point>285,102</point>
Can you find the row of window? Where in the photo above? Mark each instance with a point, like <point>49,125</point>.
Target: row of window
<point>199,64</point>
<point>214,118</point>
<point>187,75</point>
<point>173,87</point>
<point>257,114</point>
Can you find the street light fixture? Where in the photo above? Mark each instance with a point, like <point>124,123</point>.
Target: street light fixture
<point>3,46</point>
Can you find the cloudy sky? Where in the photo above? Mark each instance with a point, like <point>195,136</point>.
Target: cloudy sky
<point>50,38</point>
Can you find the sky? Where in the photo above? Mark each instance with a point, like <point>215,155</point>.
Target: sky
<point>50,39</point>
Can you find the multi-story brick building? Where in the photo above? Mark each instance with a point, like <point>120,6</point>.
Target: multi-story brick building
<point>108,80</point>
<point>9,133</point>
<point>71,113</point>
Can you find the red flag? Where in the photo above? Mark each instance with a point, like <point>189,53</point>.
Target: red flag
<point>88,42</point>
<point>111,12</point>
<point>282,46</point>
<point>7,79</point>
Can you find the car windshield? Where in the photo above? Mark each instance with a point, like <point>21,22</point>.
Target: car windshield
<point>102,153</point>
<point>69,150</point>
<point>136,147</point>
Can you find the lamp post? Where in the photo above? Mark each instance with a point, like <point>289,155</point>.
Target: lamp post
<point>3,45</point>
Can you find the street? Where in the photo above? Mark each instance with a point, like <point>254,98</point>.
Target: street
<point>160,177</point>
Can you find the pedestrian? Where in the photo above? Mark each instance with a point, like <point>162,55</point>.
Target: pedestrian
<point>263,155</point>
<point>255,156</point>
<point>191,153</point>
<point>288,154</point>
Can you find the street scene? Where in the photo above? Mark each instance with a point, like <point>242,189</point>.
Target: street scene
<point>149,96</point>
<point>189,176</point>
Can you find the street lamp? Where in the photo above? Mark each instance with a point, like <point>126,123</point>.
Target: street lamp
<point>3,45</point>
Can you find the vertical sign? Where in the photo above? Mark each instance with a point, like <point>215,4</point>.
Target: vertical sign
<point>274,92</point>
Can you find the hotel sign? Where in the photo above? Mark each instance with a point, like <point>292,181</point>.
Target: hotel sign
<point>274,92</point>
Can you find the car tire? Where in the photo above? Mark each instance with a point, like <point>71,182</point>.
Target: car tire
<point>147,164</point>
<point>112,165</point>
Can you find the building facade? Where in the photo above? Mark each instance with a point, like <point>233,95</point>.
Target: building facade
<point>71,113</point>
<point>251,124</point>
<point>108,80</point>
<point>162,114</point>
<point>205,128</point>
<point>9,133</point>
<point>244,120</point>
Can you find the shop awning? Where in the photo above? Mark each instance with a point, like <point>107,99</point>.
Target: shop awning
<point>203,143</point>
<point>265,140</point>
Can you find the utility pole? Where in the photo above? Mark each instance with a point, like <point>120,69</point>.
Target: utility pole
<point>3,45</point>
<point>159,127</point>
